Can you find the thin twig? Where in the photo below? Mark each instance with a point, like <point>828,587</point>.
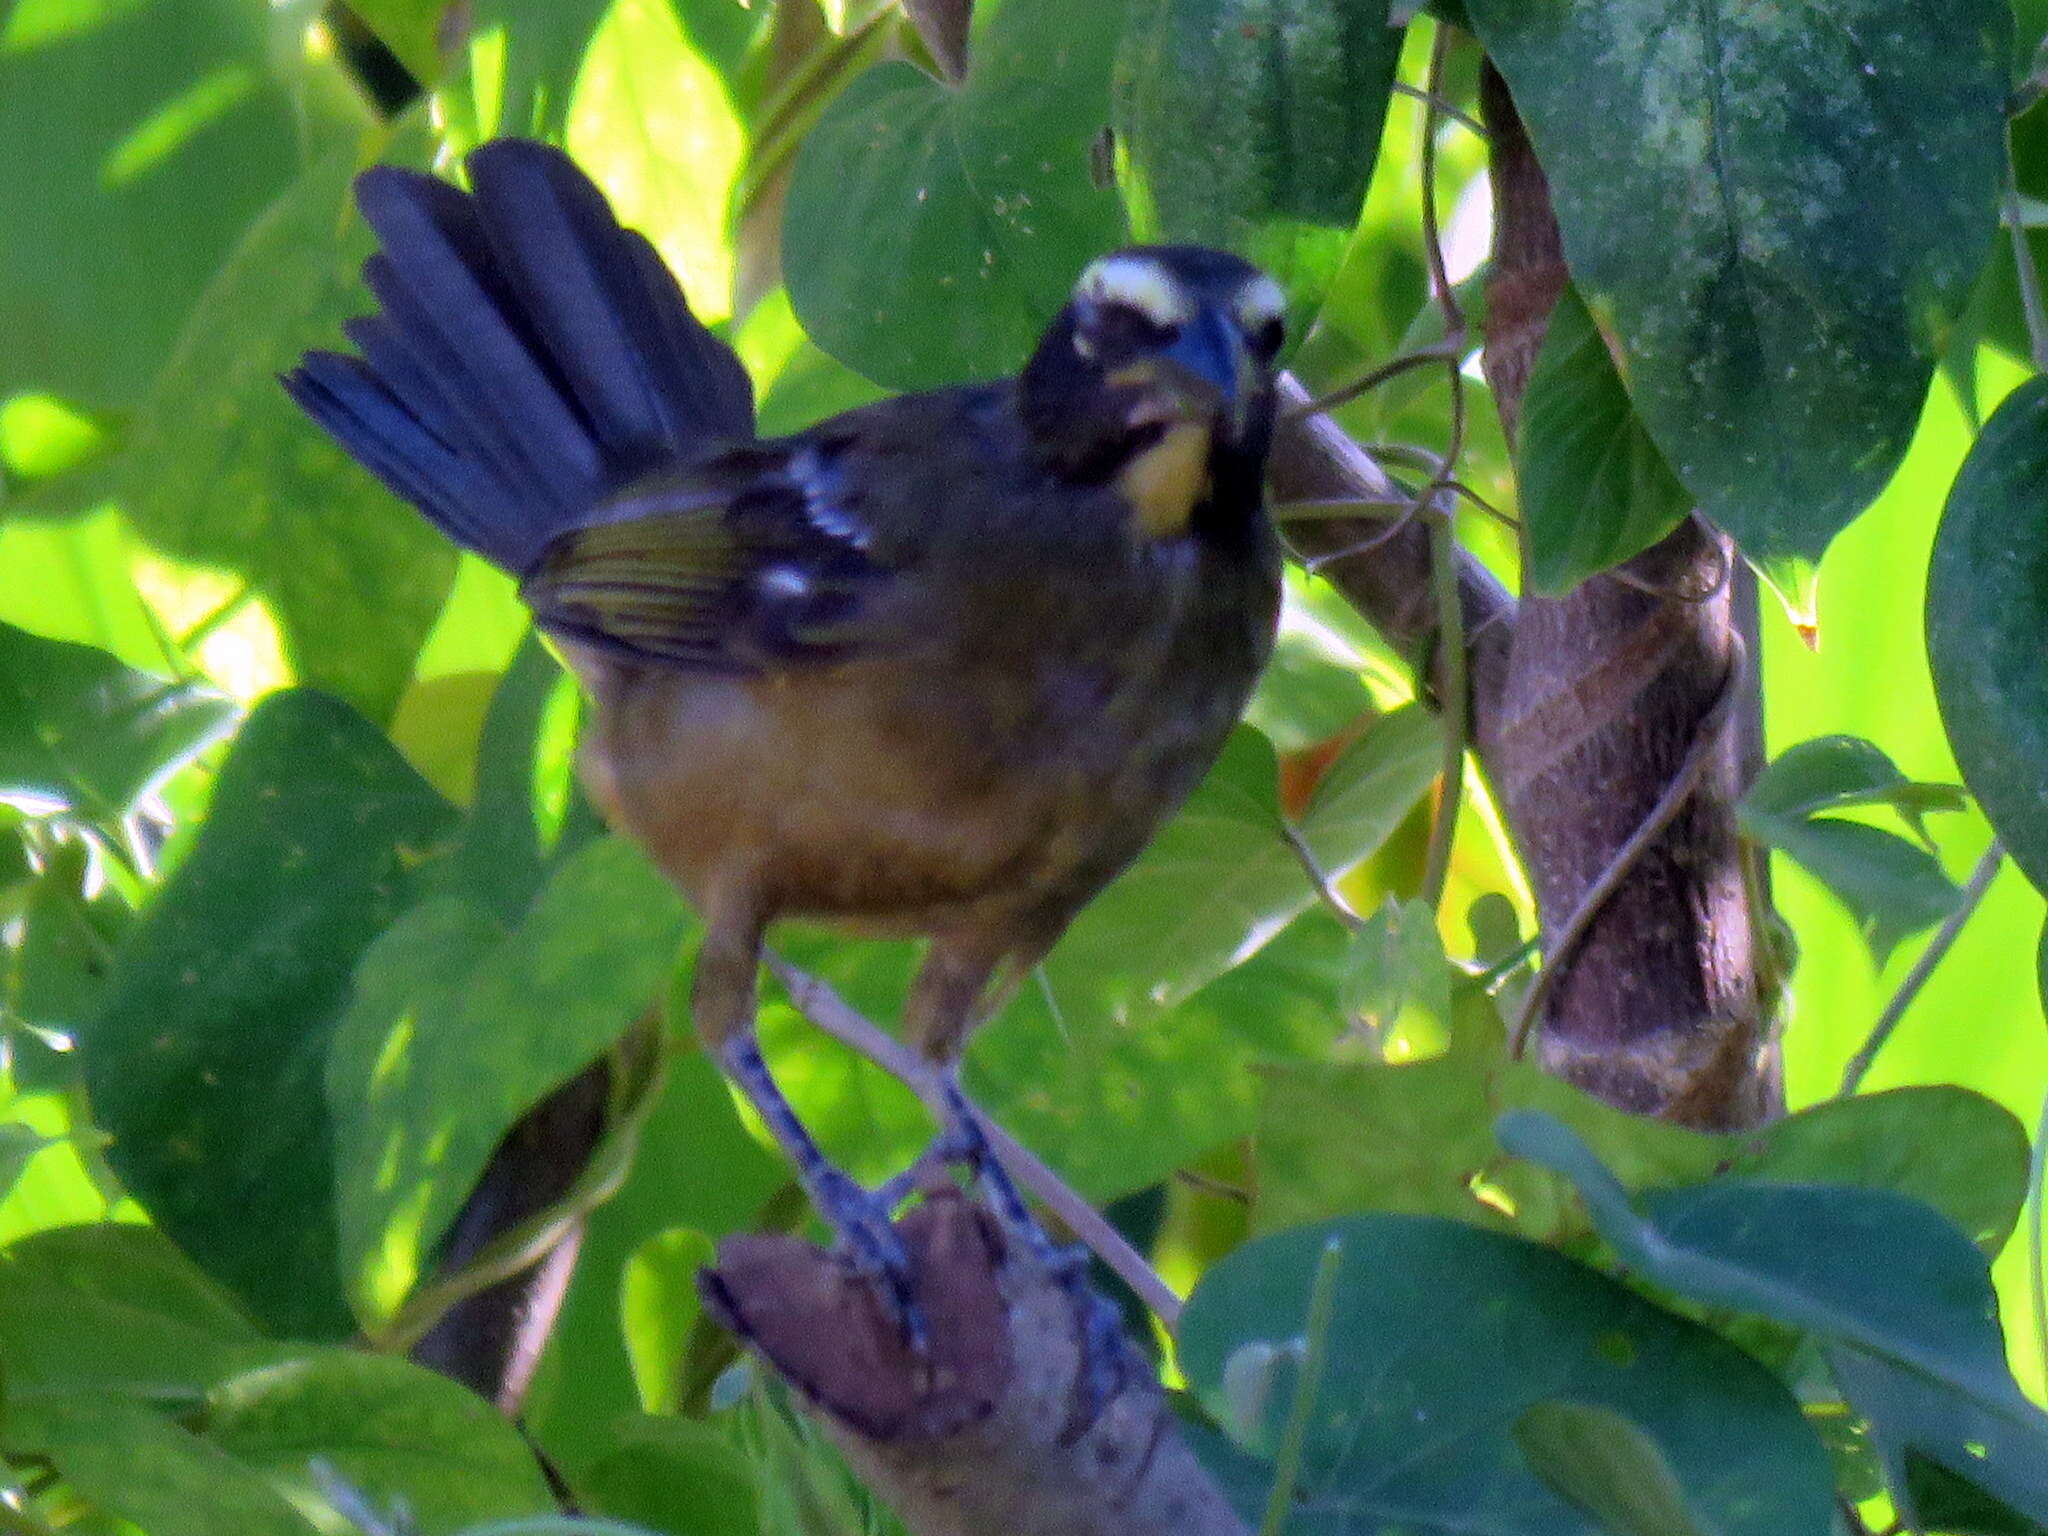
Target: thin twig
<point>1706,737</point>
<point>1936,951</point>
<point>1205,1184</point>
<point>825,1008</point>
<point>2037,1283</point>
<point>1443,533</point>
<point>2023,262</point>
<point>1320,878</point>
<point>1450,350</point>
<point>1456,715</point>
<point>1315,1358</point>
<point>1464,120</point>
<point>1314,564</point>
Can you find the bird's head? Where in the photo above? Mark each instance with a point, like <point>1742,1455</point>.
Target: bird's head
<point>1157,377</point>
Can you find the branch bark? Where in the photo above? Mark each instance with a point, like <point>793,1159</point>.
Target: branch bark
<point>1607,692</point>
<point>995,1431</point>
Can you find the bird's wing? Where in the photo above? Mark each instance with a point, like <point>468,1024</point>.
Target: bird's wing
<point>755,561</point>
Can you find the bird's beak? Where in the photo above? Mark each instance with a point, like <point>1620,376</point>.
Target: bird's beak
<point>1211,356</point>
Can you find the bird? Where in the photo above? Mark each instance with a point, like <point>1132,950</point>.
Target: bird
<point>936,667</point>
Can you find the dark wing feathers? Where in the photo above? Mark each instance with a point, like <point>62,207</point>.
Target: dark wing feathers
<point>732,572</point>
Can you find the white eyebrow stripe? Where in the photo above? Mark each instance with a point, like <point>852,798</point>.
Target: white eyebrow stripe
<point>1139,283</point>
<point>1261,301</point>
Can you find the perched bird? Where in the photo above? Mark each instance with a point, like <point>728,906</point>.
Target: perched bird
<point>938,666</point>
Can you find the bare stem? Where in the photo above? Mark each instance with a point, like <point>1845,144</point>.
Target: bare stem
<point>1936,951</point>
<point>1449,350</point>
<point>2023,263</point>
<point>2037,1283</point>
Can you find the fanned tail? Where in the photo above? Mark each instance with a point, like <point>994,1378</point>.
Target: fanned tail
<point>530,357</point>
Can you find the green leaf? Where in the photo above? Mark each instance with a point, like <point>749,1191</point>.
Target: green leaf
<point>1371,787</point>
<point>523,61</point>
<point>18,1144</point>
<point>1443,1336</point>
<point>66,940</point>
<point>1779,275</point>
<point>1601,1462</point>
<point>113,1308</point>
<point>674,1476</point>
<point>391,1430</point>
<point>138,1465</point>
<point>1303,85</point>
<point>205,1062</point>
<point>1396,990</point>
<point>1987,609</point>
<point>458,1026</point>
<point>1415,1136</point>
<point>1893,888</point>
<point>145,136</point>
<point>1832,773</point>
<point>1594,489</point>
<point>83,735</point>
<point>222,469</point>
<point>652,123</point>
<point>1879,1141</point>
<point>658,1307</point>
<point>1901,1301</point>
<point>931,231</point>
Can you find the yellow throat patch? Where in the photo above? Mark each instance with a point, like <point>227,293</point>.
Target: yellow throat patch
<point>1166,482</point>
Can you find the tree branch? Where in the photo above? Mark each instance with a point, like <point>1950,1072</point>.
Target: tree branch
<point>1613,692</point>
<point>995,1430</point>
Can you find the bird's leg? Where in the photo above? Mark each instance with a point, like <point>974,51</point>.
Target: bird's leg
<point>722,1002</point>
<point>946,1002</point>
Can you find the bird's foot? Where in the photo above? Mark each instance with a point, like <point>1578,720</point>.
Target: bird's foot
<point>865,1233</point>
<point>1103,1348</point>
<point>863,1230</point>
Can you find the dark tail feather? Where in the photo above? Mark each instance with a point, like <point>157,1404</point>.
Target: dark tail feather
<point>531,356</point>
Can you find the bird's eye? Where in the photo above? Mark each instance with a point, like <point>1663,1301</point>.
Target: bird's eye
<point>1121,331</point>
<point>1265,338</point>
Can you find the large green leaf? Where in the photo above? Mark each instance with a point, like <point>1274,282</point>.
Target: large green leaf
<point>1899,1298</point>
<point>459,1025</point>
<point>83,735</point>
<point>673,1476</point>
<point>1440,1337</point>
<point>114,1309</point>
<point>205,1063</point>
<point>932,230</point>
<point>1987,613</point>
<point>1736,208</point>
<point>141,138</point>
<point>391,1431</point>
<point>1594,488</point>
<point>1303,85</point>
<point>653,124</point>
<point>1416,1136</point>
<point>223,470</point>
<point>131,1461</point>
